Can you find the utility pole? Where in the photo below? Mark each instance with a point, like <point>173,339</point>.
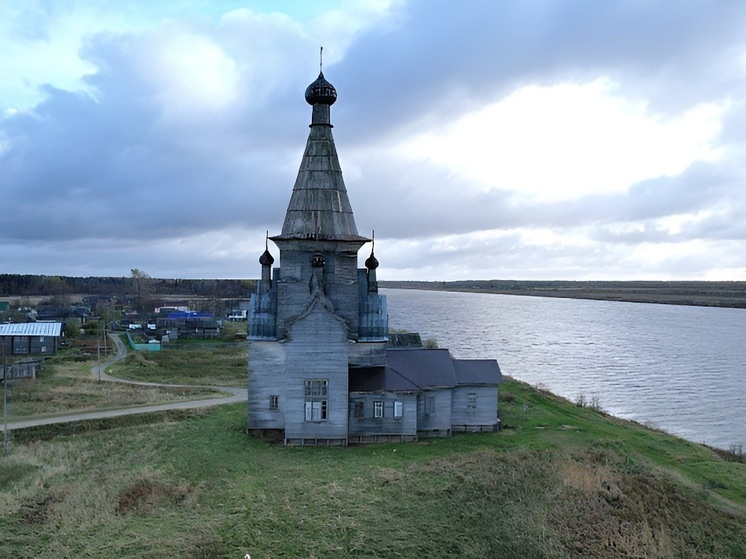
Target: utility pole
<point>98,354</point>
<point>5,400</point>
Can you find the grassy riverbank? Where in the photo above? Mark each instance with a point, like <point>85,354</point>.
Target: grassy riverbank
<point>559,481</point>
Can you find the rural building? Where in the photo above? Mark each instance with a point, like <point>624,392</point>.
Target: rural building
<point>189,324</point>
<point>321,369</point>
<point>30,338</point>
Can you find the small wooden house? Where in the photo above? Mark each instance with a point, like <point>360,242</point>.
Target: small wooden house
<point>31,338</point>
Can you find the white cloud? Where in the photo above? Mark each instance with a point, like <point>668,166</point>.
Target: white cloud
<point>191,74</point>
<point>567,140</point>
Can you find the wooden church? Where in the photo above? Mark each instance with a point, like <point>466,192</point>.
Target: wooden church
<point>321,370</point>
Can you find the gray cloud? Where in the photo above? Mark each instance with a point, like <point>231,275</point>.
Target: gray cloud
<point>117,166</point>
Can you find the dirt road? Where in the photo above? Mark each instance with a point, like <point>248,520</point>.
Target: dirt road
<point>235,395</point>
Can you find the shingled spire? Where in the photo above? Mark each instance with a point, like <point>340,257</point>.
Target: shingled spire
<point>319,207</point>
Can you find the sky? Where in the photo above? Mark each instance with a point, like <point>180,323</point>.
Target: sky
<point>520,139</point>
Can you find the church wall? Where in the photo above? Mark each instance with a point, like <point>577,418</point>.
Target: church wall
<point>267,362</point>
<point>316,350</point>
<point>474,405</point>
<point>387,424</point>
<point>434,412</point>
<point>340,279</point>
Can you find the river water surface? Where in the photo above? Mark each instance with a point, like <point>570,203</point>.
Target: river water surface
<point>677,368</point>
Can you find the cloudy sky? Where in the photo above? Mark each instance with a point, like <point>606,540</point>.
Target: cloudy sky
<point>541,139</point>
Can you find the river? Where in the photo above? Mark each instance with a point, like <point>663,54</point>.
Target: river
<point>677,368</point>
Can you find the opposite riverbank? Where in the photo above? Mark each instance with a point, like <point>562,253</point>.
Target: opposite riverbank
<point>698,293</point>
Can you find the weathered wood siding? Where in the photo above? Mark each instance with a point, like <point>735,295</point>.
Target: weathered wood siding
<point>435,418</point>
<point>388,424</point>
<point>367,354</point>
<point>339,273</point>
<point>481,410</point>
<point>316,349</point>
<point>267,364</point>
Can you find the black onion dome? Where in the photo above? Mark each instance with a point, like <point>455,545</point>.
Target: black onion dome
<point>371,262</point>
<point>321,92</point>
<point>266,259</point>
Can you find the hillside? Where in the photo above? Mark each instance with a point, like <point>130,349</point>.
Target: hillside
<point>558,482</point>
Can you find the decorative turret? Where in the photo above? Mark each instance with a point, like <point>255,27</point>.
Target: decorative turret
<point>371,263</point>
<point>266,260</point>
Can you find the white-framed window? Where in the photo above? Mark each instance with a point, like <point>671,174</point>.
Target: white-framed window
<point>378,409</point>
<point>274,402</point>
<point>471,400</point>
<point>398,409</point>
<point>315,392</point>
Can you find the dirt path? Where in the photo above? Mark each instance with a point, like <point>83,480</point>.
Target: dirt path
<point>235,395</point>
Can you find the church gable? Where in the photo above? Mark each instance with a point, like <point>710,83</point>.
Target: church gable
<point>316,388</point>
<point>316,326</point>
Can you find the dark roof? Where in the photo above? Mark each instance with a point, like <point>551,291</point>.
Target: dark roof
<point>416,369</point>
<point>477,371</point>
<point>406,370</point>
<point>376,379</point>
<point>426,368</point>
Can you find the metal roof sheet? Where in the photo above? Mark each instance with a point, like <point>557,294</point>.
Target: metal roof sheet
<point>477,371</point>
<point>53,329</point>
<point>417,369</point>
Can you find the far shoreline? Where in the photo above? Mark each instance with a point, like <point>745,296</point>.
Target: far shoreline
<point>724,294</point>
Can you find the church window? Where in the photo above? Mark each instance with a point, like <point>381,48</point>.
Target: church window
<point>378,409</point>
<point>316,400</point>
<point>430,405</point>
<point>358,410</point>
<point>398,409</point>
<point>274,402</point>
<point>471,400</point>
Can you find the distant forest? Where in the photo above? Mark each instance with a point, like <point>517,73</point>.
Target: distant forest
<point>702,293</point>
<point>16,285</point>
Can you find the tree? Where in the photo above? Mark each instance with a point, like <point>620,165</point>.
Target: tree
<point>140,280</point>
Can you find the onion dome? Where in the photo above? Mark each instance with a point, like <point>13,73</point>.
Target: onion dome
<point>266,258</point>
<point>371,262</point>
<point>321,92</point>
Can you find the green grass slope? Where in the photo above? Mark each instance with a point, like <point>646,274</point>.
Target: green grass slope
<point>559,481</point>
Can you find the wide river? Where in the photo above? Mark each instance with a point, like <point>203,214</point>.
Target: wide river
<point>677,368</point>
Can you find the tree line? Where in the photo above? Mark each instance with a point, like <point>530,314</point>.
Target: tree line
<point>21,285</point>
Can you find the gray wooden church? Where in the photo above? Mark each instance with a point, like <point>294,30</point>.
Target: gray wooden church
<point>320,367</point>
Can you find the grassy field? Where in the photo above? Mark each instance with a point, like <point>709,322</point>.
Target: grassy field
<point>559,481</point>
<point>216,364</point>
<point>66,385</point>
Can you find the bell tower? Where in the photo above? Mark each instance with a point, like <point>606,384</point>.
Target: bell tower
<point>317,316</point>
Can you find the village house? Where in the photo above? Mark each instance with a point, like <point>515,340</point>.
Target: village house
<point>321,369</point>
<point>30,338</point>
